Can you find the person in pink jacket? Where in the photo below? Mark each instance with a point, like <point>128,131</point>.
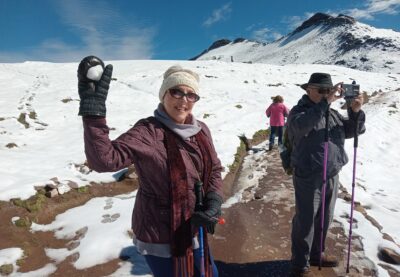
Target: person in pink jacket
<point>276,112</point>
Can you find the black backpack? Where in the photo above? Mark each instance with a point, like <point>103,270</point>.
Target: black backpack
<point>285,151</point>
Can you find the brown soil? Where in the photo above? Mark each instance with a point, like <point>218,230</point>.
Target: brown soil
<point>33,244</point>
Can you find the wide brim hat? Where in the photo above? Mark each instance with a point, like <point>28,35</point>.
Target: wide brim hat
<point>321,80</point>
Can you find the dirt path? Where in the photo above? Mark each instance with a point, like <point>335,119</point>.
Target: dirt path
<point>255,241</point>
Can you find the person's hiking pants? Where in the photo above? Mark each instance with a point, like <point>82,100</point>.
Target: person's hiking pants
<point>276,129</point>
<point>306,224</point>
<point>163,267</point>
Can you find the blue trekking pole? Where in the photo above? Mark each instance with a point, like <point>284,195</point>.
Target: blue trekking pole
<point>353,184</point>
<point>199,205</point>
<point>324,184</point>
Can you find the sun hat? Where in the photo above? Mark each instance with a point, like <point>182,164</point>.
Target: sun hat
<point>321,80</point>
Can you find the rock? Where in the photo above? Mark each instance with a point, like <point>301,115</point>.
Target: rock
<point>50,186</point>
<point>389,255</point>
<point>52,193</point>
<point>55,180</point>
<point>11,145</point>
<point>72,184</point>
<point>63,188</point>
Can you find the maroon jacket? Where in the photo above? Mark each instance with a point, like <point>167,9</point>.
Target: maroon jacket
<point>144,146</point>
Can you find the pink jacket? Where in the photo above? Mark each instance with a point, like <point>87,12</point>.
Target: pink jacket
<point>277,113</point>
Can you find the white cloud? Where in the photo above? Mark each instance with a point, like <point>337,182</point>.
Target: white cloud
<point>265,34</point>
<point>218,15</point>
<point>373,7</point>
<point>102,31</point>
<point>293,22</point>
<point>369,9</point>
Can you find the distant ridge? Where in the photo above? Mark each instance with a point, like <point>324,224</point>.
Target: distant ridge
<point>321,39</point>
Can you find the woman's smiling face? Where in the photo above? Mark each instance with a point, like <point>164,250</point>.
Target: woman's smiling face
<point>178,108</point>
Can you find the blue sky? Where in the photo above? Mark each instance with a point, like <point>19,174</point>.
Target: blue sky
<point>67,30</point>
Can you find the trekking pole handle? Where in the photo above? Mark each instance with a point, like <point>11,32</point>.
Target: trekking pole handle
<point>199,201</point>
<point>327,124</point>
<point>199,195</point>
<point>221,220</point>
<point>356,132</point>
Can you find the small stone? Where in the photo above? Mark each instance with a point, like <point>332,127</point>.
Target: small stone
<point>55,180</point>
<point>51,193</point>
<point>63,188</point>
<point>72,184</point>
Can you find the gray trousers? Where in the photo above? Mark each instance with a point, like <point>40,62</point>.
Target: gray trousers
<point>306,224</point>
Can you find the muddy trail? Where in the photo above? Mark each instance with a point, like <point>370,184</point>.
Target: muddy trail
<point>255,241</point>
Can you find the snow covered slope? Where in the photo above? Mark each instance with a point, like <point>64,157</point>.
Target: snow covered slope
<point>322,39</point>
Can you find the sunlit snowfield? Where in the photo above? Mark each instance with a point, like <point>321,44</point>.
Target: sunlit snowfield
<point>234,96</point>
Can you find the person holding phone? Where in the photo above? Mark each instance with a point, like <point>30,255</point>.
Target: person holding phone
<point>307,131</point>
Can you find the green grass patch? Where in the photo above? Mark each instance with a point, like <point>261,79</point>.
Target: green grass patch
<point>261,135</point>
<point>33,204</point>
<point>84,189</point>
<point>6,269</point>
<point>237,158</point>
<point>23,222</point>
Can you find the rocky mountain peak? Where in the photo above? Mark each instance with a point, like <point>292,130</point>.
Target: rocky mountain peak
<point>322,18</point>
<point>321,39</point>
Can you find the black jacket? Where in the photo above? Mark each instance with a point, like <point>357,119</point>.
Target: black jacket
<point>306,129</point>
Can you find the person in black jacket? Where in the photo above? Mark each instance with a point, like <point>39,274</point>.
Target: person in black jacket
<point>307,130</point>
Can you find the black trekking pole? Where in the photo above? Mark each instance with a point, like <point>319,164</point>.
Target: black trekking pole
<point>325,169</point>
<point>199,207</point>
<point>353,184</point>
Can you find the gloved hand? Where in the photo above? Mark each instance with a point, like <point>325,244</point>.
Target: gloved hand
<point>208,218</point>
<point>93,94</point>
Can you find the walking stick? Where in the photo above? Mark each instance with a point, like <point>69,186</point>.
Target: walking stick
<point>199,205</point>
<point>353,184</point>
<point>324,184</point>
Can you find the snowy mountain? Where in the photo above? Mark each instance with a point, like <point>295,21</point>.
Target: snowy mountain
<point>322,39</point>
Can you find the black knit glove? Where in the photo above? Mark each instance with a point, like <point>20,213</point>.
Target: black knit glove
<point>93,94</point>
<point>208,218</point>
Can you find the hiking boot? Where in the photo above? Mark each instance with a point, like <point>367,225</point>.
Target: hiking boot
<point>298,272</point>
<point>270,147</point>
<point>327,261</point>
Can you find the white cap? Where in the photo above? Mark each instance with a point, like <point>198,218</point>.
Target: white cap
<point>175,76</point>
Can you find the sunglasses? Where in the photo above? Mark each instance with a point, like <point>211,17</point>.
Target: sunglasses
<point>178,94</point>
<point>322,90</point>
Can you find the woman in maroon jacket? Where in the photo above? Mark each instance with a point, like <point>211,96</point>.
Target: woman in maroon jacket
<point>171,151</point>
